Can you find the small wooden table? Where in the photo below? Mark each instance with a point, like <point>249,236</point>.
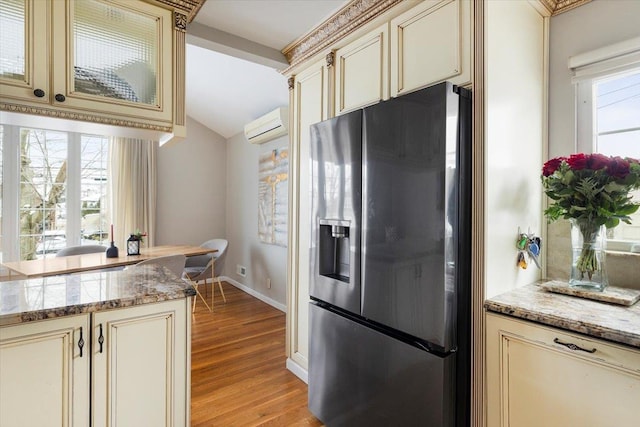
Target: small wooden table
<point>87,262</point>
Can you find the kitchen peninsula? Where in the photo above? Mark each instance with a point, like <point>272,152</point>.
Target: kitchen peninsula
<point>96,348</point>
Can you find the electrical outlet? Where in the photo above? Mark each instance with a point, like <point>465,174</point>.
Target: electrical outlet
<point>268,283</point>
<point>241,270</point>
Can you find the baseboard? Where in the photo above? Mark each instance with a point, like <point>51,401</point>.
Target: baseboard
<point>298,371</point>
<point>254,293</point>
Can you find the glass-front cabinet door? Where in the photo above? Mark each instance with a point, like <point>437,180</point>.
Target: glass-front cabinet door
<point>113,56</point>
<point>24,69</point>
<point>88,58</point>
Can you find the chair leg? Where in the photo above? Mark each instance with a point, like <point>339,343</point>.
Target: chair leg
<point>220,287</point>
<point>198,294</point>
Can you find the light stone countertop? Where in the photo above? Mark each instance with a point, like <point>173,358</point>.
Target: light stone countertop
<point>56,296</point>
<point>602,320</point>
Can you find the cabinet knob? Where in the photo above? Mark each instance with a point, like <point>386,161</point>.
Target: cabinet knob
<point>39,93</point>
<point>60,97</point>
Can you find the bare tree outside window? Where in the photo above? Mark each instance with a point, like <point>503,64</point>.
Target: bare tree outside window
<point>43,178</point>
<point>44,202</point>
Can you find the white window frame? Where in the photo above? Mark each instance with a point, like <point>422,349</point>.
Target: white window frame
<point>587,69</point>
<point>11,184</point>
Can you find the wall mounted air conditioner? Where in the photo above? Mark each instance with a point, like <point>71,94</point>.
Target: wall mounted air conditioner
<point>268,127</point>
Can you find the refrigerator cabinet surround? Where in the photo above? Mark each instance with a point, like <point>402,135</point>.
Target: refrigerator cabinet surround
<point>336,158</point>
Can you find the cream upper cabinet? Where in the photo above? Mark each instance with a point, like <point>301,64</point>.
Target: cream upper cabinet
<point>542,376</point>
<point>362,71</point>
<point>311,104</point>
<point>140,366</point>
<point>88,60</point>
<point>44,373</point>
<point>431,43</point>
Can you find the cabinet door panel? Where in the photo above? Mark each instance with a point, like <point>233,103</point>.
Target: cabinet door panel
<point>548,387</point>
<point>532,380</point>
<point>139,377</point>
<point>362,71</point>
<point>43,380</point>
<point>113,57</point>
<point>24,51</point>
<point>431,43</point>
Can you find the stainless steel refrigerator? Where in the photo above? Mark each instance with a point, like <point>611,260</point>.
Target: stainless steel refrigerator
<point>390,263</point>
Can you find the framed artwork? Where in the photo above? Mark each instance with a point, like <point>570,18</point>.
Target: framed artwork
<point>273,174</point>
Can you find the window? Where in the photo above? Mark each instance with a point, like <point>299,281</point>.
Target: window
<point>617,113</point>
<point>608,115</point>
<point>54,191</point>
<point>42,200</point>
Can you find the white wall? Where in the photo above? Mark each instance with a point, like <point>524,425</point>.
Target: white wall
<point>263,261</point>
<point>192,188</point>
<point>208,188</point>
<point>514,102</point>
<point>588,27</point>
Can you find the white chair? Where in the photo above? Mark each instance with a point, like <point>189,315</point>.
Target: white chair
<point>80,250</point>
<point>202,267</point>
<point>174,263</point>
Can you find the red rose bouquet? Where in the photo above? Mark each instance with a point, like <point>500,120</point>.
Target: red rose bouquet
<point>592,189</point>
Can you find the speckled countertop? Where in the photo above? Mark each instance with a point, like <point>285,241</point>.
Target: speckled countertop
<point>615,323</point>
<point>57,296</point>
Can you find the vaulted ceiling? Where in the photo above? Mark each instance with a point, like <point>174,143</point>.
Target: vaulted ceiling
<point>234,54</point>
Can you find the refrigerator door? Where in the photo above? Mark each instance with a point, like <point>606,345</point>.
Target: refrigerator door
<point>409,214</point>
<point>361,377</point>
<point>336,190</point>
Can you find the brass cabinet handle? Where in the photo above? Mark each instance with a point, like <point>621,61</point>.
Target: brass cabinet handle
<point>573,346</point>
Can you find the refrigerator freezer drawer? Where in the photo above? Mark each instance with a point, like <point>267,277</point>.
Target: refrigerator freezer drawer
<point>361,377</point>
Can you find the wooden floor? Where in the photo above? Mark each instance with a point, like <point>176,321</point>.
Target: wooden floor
<point>238,373</point>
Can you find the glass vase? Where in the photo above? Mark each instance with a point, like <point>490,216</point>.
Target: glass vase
<point>588,266</point>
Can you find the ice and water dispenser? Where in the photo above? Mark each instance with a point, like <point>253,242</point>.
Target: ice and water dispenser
<point>334,259</point>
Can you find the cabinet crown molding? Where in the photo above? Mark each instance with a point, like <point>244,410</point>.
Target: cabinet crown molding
<point>356,14</point>
<point>556,7</point>
<point>189,7</point>
<point>345,21</point>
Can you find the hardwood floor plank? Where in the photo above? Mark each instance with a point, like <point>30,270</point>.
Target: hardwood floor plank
<point>238,373</point>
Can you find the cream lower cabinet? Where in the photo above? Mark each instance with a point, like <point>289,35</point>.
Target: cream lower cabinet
<point>140,371</point>
<point>431,43</point>
<point>44,373</point>
<point>139,359</point>
<point>542,376</point>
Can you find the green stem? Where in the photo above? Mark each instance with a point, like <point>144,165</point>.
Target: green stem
<point>587,261</point>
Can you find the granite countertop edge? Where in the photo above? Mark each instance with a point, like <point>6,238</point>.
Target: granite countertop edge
<point>73,310</point>
<point>174,291</point>
<point>541,314</point>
